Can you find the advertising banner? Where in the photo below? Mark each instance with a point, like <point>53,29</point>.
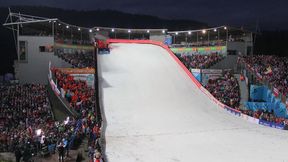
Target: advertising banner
<point>168,40</point>
<point>54,87</point>
<point>232,111</point>
<point>250,119</point>
<point>50,72</point>
<point>256,92</point>
<point>212,71</point>
<point>270,124</point>
<point>196,73</point>
<point>201,50</point>
<point>77,70</point>
<point>88,78</point>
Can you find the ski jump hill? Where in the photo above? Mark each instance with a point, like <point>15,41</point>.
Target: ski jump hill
<point>157,111</point>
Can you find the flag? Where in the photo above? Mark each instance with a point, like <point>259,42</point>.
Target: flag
<point>268,70</point>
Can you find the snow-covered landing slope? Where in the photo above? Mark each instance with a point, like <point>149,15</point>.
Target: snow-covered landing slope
<point>155,113</point>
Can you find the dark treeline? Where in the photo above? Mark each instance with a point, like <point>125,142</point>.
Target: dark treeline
<point>266,43</point>
<point>105,18</point>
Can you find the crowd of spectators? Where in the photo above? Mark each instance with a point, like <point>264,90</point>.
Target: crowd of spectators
<point>19,113</point>
<point>225,89</point>
<point>199,61</point>
<point>81,99</point>
<point>274,69</point>
<point>78,94</point>
<point>27,122</point>
<point>27,126</point>
<point>79,60</point>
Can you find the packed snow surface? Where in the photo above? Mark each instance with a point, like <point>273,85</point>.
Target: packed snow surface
<point>155,113</point>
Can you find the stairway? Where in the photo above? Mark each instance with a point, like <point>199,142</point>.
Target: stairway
<point>244,93</point>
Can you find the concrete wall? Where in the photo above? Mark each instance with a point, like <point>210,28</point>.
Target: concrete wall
<point>35,69</point>
<point>160,38</point>
<point>240,47</point>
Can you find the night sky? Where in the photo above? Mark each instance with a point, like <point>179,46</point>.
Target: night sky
<point>270,14</point>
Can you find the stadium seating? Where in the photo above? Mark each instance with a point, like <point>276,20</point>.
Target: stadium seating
<point>79,60</point>
<point>27,122</point>
<point>270,68</point>
<point>77,93</point>
<point>199,61</point>
<point>225,89</point>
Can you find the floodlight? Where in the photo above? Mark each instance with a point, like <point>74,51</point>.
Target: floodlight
<point>67,27</point>
<point>66,121</point>
<point>176,33</point>
<point>129,31</point>
<point>112,30</point>
<point>203,31</point>
<point>38,132</point>
<point>148,31</point>
<point>215,30</point>
<point>97,29</point>
<point>189,32</point>
<point>79,29</point>
<point>90,30</point>
<point>163,31</point>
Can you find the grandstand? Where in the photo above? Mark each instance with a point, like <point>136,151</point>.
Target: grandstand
<point>126,92</point>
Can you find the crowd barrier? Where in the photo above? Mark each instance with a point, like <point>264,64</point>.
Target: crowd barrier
<point>199,86</point>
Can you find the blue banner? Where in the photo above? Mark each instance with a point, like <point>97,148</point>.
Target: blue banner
<point>254,106</point>
<point>168,41</point>
<point>258,92</point>
<point>271,124</point>
<point>197,74</point>
<point>268,96</point>
<point>233,111</point>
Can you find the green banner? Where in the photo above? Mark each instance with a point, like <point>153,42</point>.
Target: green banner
<point>200,49</point>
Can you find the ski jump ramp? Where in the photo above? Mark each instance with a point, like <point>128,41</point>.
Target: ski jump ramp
<point>155,112</point>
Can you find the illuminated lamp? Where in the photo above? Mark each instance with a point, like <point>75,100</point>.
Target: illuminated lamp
<point>38,132</point>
